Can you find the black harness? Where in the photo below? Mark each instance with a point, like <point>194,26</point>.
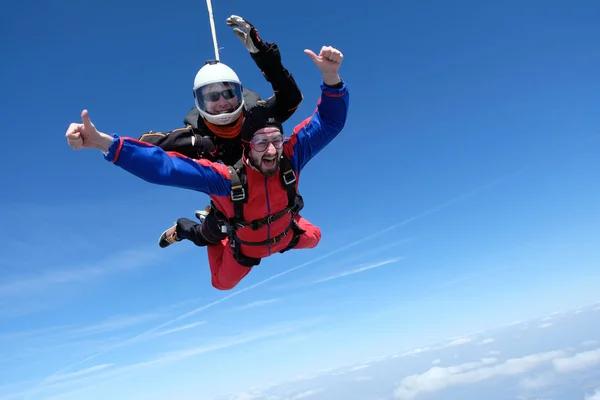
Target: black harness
<point>239,196</point>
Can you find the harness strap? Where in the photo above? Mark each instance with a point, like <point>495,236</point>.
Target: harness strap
<point>239,190</point>
<point>271,241</point>
<point>259,223</point>
<point>239,197</point>
<point>288,179</point>
<point>295,239</point>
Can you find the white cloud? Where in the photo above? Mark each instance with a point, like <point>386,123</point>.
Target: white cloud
<point>439,378</point>
<point>246,396</point>
<point>436,361</point>
<point>343,370</point>
<point>415,351</point>
<point>535,382</point>
<point>456,341</point>
<point>518,322</point>
<point>459,341</point>
<point>258,303</point>
<point>594,396</point>
<point>357,270</point>
<point>324,370</point>
<point>174,330</point>
<point>493,353</point>
<point>487,341</point>
<point>590,343</point>
<point>374,250</point>
<point>113,323</point>
<point>578,362</point>
<point>307,393</point>
<point>77,374</point>
<point>546,325</point>
<point>554,315</point>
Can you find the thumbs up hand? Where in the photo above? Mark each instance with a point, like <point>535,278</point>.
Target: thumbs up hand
<point>328,61</point>
<point>86,136</point>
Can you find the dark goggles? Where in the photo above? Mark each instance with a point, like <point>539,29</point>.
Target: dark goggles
<point>261,144</point>
<point>214,96</point>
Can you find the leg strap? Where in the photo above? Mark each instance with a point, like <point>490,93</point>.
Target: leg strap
<point>296,238</point>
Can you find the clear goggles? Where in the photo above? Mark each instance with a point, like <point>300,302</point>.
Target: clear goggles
<point>208,96</point>
<point>261,144</point>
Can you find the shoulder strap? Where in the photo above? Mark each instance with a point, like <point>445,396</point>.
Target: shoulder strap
<point>288,179</point>
<point>239,190</point>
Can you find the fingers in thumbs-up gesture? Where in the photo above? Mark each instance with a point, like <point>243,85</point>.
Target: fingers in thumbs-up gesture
<point>84,135</point>
<point>328,61</point>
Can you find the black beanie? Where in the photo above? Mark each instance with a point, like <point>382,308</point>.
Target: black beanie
<point>256,118</point>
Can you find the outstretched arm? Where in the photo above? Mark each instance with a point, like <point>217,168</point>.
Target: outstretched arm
<point>154,165</point>
<point>318,130</point>
<point>287,95</point>
<point>150,162</point>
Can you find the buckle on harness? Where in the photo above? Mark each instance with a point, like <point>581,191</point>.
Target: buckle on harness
<point>288,173</point>
<point>238,193</point>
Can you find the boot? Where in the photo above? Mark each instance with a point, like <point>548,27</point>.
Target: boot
<point>201,215</point>
<point>168,237</point>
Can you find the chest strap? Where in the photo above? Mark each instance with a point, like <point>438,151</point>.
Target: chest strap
<point>239,197</point>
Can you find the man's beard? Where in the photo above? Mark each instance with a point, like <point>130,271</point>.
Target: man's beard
<point>266,173</point>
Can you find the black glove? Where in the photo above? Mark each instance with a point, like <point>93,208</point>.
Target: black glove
<point>203,146</point>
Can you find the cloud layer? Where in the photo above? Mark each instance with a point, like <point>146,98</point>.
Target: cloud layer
<point>440,378</point>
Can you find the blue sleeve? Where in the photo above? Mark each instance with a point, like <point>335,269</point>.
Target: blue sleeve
<point>317,131</point>
<point>154,165</point>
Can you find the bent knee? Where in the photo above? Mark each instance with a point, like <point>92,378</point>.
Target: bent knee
<point>314,237</point>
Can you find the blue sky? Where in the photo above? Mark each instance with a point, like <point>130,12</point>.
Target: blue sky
<point>462,194</point>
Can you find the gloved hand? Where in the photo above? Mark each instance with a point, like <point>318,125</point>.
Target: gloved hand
<point>246,32</point>
<point>202,145</point>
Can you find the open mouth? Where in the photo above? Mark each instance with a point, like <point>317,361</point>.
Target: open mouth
<point>269,162</point>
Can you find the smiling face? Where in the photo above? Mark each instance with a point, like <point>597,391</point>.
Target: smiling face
<point>266,148</point>
<point>219,98</point>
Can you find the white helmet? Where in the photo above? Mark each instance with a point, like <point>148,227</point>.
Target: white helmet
<point>216,72</point>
